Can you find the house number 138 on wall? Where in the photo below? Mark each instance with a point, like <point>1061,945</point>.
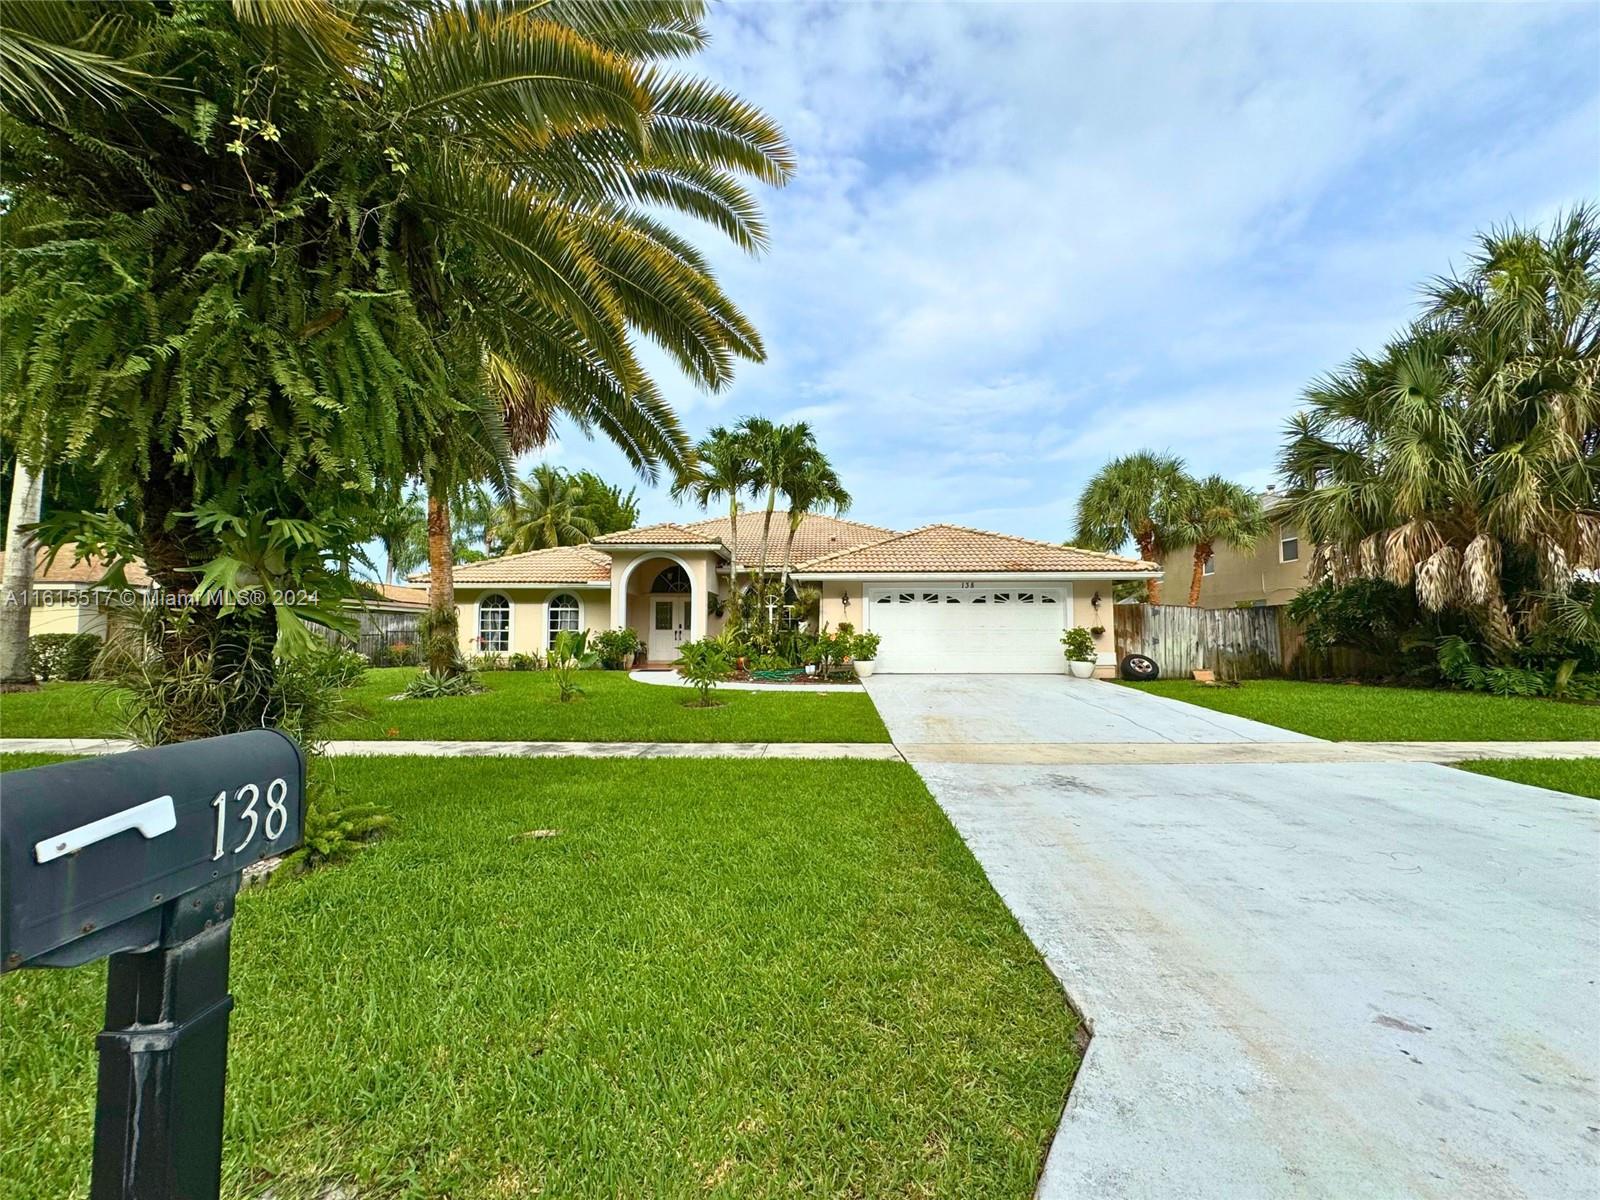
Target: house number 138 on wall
<point>277,814</point>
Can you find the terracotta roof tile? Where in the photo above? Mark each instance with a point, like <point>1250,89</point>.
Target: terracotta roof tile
<point>561,564</point>
<point>87,571</point>
<point>957,550</point>
<point>666,533</point>
<point>817,535</point>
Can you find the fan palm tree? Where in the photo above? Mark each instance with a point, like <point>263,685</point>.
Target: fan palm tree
<point>546,509</point>
<point>1216,512</point>
<point>1465,459</point>
<point>1135,499</point>
<point>813,486</point>
<point>723,469</point>
<point>780,453</point>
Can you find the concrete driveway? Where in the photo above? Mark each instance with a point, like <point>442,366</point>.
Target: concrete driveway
<point>1342,979</point>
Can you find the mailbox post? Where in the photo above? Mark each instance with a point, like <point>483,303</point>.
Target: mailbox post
<point>137,858</point>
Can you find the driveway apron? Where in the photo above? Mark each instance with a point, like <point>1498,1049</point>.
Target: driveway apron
<point>1304,979</point>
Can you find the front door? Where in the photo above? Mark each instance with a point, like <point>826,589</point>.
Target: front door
<point>669,625</point>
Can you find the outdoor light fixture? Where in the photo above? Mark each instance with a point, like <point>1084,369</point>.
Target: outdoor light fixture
<point>1094,601</point>
<point>844,599</point>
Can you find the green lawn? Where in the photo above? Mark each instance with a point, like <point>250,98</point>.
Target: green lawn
<point>716,978</point>
<point>1580,776</point>
<point>519,706</point>
<point>58,710</point>
<point>1355,713</point>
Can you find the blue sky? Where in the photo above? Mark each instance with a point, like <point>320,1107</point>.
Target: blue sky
<point>1023,239</point>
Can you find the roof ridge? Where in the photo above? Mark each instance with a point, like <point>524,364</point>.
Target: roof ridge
<point>893,537</point>
<point>1012,537</point>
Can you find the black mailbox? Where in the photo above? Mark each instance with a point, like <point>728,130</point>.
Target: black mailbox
<point>137,857</point>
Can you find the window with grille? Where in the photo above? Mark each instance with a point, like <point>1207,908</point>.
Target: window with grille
<point>563,615</point>
<point>494,624</point>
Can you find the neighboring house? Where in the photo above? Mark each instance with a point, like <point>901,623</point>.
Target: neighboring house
<point>1272,573</point>
<point>946,599</point>
<point>67,596</point>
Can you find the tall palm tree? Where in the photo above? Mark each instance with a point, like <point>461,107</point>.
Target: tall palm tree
<point>547,509</point>
<point>401,531</point>
<point>723,469</point>
<point>1134,499</point>
<point>1215,511</point>
<point>780,453</point>
<point>16,602</point>
<point>1465,459</point>
<point>813,486</point>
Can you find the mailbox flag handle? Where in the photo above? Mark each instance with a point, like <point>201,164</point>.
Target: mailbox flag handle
<point>152,819</point>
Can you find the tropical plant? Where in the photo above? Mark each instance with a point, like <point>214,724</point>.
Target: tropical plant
<point>400,528</point>
<point>546,509</point>
<point>68,656</point>
<point>16,583</point>
<point>569,655</point>
<point>608,507</point>
<point>1464,460</point>
<point>314,250</point>
<point>723,469</point>
<point>781,454</point>
<point>1214,512</point>
<point>617,647</point>
<point>524,662</point>
<point>1078,644</point>
<point>434,685</point>
<point>865,646</point>
<point>811,485</point>
<point>334,830</point>
<point>1136,499</point>
<point>1371,615</point>
<point>704,664</point>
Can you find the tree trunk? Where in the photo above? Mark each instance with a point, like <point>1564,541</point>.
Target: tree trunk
<point>733,560</point>
<point>442,646</point>
<point>766,537</point>
<point>1202,551</point>
<point>1147,551</point>
<point>16,603</point>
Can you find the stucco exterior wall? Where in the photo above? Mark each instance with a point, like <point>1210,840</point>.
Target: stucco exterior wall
<point>632,573</point>
<point>530,613</point>
<point>1254,577</point>
<point>834,610</point>
<point>1084,613</point>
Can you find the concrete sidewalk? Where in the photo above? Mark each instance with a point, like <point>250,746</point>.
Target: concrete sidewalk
<point>393,747</point>
<point>1221,753</point>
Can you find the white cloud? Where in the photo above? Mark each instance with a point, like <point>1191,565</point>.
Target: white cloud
<point>1024,238</point>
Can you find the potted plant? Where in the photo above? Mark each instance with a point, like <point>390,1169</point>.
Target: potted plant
<point>1078,645</point>
<point>864,651</point>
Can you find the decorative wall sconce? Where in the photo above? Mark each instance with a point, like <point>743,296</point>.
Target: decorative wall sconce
<point>844,599</point>
<point>1094,601</point>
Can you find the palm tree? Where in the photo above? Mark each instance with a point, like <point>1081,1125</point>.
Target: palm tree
<point>814,485</point>
<point>1134,499</point>
<point>780,453</point>
<point>723,469</point>
<point>402,532</point>
<point>1215,511</point>
<point>547,509</point>
<point>16,602</point>
<point>1465,459</point>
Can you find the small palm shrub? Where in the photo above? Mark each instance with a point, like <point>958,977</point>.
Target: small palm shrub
<point>569,655</point>
<point>704,664</point>
<point>431,685</point>
<point>524,662</point>
<point>334,830</point>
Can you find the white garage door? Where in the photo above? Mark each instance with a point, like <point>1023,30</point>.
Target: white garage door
<point>960,629</point>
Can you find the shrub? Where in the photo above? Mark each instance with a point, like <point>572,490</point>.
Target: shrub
<point>865,646</point>
<point>569,655</point>
<point>1078,644</point>
<point>431,685</point>
<point>68,656</point>
<point>492,660</point>
<point>1373,615</point>
<point>399,654</point>
<point>771,662</point>
<point>334,830</point>
<point>616,648</point>
<point>340,666</point>
<point>524,662</point>
<point>704,664</point>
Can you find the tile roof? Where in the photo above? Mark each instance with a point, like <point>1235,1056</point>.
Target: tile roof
<point>817,535</point>
<point>667,533</point>
<point>561,564</point>
<point>87,571</point>
<point>956,550</point>
<point>394,593</point>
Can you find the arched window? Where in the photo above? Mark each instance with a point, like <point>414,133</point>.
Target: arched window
<point>564,615</point>
<point>494,624</point>
<point>673,579</point>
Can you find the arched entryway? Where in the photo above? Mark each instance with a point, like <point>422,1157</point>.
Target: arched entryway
<point>663,600</point>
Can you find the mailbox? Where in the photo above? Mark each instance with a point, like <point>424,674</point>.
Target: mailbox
<point>137,858</point>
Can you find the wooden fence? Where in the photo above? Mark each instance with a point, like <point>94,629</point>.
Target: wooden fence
<point>1235,643</point>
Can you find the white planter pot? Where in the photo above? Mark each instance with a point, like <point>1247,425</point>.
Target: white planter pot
<point>1080,670</point>
<point>863,669</point>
